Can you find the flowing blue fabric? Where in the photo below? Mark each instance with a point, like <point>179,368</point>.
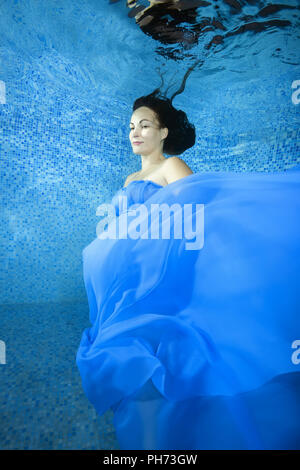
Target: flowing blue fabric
<point>198,348</point>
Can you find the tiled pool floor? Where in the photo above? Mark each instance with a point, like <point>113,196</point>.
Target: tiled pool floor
<point>42,404</point>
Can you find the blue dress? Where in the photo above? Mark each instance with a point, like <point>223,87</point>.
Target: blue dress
<point>199,347</point>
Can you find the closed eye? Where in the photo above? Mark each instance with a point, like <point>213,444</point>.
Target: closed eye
<point>131,128</point>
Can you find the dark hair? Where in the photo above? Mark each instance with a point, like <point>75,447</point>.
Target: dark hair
<point>181,133</point>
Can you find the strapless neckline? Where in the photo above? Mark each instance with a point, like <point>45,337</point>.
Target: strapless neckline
<point>143,181</point>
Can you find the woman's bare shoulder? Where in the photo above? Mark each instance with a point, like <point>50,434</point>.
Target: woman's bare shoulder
<point>175,168</point>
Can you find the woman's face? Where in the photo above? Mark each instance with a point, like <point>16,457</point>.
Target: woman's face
<point>144,128</point>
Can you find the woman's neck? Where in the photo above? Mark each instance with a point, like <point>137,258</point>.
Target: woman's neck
<point>147,164</point>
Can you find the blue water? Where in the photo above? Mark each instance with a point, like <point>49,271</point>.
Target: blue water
<point>69,74</point>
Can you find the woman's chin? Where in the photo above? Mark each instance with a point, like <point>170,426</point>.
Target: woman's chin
<point>136,151</point>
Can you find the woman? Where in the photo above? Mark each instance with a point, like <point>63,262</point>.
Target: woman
<point>194,346</point>
<point>148,136</point>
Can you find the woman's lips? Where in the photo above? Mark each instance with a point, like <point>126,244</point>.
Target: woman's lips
<point>137,143</point>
